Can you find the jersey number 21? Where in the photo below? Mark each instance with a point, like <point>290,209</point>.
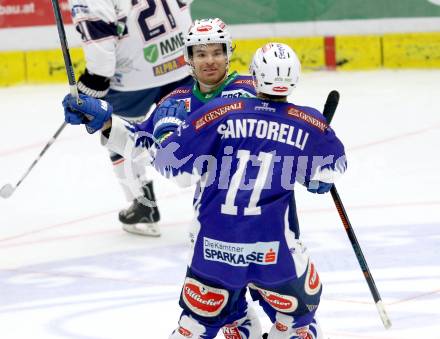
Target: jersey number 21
<point>152,32</point>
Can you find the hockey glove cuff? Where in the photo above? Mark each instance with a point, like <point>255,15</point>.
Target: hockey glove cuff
<point>319,187</point>
<point>93,85</point>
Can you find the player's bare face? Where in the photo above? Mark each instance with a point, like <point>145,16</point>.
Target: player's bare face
<point>210,63</point>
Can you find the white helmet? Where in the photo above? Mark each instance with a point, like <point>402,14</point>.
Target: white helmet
<point>275,69</point>
<point>207,31</point>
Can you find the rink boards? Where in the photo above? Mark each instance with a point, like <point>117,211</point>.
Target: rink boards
<point>340,52</point>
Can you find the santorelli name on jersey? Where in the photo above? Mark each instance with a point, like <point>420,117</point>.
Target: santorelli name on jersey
<point>264,129</point>
<point>216,113</point>
<point>240,254</point>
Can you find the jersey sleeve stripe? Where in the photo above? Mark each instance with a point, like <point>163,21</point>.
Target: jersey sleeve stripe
<point>98,29</point>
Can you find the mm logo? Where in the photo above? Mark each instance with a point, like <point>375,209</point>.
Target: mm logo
<point>151,53</point>
<point>168,46</point>
<point>165,48</point>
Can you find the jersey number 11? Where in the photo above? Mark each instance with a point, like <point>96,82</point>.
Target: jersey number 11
<point>243,158</point>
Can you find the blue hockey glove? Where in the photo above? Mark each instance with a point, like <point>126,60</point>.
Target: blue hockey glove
<point>319,187</point>
<point>168,117</point>
<point>91,112</point>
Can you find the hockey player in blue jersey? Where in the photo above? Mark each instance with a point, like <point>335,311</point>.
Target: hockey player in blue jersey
<point>207,51</point>
<point>245,155</point>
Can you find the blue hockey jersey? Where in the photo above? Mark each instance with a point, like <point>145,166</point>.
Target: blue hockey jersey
<point>245,155</point>
<point>233,87</point>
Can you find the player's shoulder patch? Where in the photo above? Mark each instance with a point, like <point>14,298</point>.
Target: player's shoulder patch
<point>245,80</point>
<point>217,111</point>
<point>309,115</point>
<point>242,86</point>
<point>184,90</point>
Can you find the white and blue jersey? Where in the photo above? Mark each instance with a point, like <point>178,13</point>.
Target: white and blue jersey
<point>245,155</point>
<point>138,44</point>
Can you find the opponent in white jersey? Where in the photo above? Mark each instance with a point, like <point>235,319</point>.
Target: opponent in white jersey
<point>134,57</point>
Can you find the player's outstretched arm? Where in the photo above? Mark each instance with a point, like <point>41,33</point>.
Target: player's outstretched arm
<point>117,134</point>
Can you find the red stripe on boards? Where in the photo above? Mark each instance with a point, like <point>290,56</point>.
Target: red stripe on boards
<point>330,52</point>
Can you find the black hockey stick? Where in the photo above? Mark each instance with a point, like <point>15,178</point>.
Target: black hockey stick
<point>7,190</point>
<point>329,111</point>
<point>65,48</point>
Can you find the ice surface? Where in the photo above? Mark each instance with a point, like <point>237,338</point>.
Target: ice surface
<point>68,270</point>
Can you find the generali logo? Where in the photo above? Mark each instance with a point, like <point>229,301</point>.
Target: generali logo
<point>309,119</point>
<point>216,113</point>
<point>175,92</point>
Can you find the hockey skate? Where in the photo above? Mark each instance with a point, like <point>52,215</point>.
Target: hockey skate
<point>142,216</point>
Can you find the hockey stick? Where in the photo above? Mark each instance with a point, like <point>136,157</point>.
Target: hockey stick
<point>329,111</point>
<point>7,190</point>
<point>64,47</point>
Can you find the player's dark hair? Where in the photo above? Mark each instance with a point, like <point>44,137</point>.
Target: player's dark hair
<point>191,52</point>
<point>271,97</point>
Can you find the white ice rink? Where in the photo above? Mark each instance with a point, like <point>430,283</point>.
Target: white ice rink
<point>67,270</point>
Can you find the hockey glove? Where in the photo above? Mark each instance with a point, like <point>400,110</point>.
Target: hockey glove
<point>319,187</point>
<point>168,117</point>
<point>90,112</point>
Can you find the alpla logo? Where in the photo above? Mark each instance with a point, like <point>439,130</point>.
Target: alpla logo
<point>165,48</point>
